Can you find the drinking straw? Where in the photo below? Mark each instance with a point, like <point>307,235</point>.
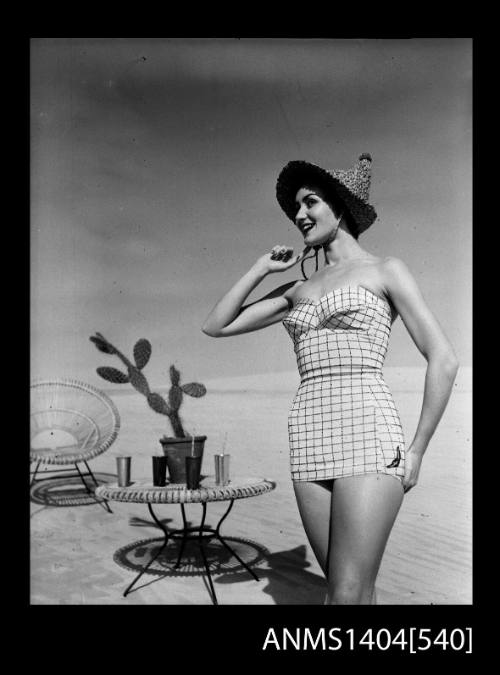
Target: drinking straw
<point>192,444</point>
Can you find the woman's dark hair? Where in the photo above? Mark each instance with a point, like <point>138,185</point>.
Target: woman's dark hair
<point>339,208</point>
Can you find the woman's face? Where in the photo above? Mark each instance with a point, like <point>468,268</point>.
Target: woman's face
<point>315,217</point>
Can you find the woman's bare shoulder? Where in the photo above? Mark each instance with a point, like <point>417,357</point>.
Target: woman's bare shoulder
<point>390,261</point>
<point>396,279</point>
<point>379,269</point>
<point>393,269</point>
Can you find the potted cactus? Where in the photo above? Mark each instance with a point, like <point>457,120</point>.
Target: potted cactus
<point>176,448</point>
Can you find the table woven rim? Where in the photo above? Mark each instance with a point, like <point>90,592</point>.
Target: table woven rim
<point>142,492</point>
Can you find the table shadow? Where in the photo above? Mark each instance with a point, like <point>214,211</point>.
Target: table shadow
<point>136,555</point>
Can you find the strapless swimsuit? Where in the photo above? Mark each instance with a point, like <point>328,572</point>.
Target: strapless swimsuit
<point>343,420</point>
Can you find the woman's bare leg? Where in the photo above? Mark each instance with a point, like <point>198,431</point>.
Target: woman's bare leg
<point>364,509</point>
<point>314,500</point>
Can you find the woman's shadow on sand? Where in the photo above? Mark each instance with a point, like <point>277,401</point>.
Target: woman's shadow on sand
<point>287,579</point>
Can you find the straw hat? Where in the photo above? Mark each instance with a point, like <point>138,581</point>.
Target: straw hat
<point>352,186</point>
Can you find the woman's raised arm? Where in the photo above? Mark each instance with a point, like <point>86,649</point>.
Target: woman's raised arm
<point>230,317</point>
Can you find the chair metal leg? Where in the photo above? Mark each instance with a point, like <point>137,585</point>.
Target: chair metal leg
<point>90,473</point>
<point>36,469</point>
<point>89,491</point>
<point>82,479</point>
<point>105,501</point>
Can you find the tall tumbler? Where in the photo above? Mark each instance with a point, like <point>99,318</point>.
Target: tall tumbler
<point>222,469</point>
<point>160,470</point>
<point>193,471</point>
<point>123,470</point>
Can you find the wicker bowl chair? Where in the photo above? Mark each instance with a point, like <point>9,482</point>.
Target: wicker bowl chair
<point>71,422</point>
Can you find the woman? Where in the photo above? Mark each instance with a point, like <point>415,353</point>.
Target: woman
<point>348,460</point>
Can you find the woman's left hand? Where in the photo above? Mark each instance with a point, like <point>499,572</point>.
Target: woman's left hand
<point>413,460</point>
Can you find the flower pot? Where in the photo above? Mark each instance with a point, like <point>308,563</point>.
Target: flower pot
<point>176,450</point>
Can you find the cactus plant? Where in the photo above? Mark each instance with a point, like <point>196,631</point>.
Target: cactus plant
<point>134,376</point>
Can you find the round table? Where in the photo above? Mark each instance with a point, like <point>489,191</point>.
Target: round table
<point>143,492</point>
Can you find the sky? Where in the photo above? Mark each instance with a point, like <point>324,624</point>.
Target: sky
<point>153,171</point>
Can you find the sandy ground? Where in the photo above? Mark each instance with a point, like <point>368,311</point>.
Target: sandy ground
<point>81,554</point>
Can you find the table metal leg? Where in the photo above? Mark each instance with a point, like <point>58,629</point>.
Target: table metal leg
<point>203,554</point>
<point>224,517</point>
<point>166,534</point>
<point>203,533</point>
<point>184,537</point>
<point>223,541</point>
